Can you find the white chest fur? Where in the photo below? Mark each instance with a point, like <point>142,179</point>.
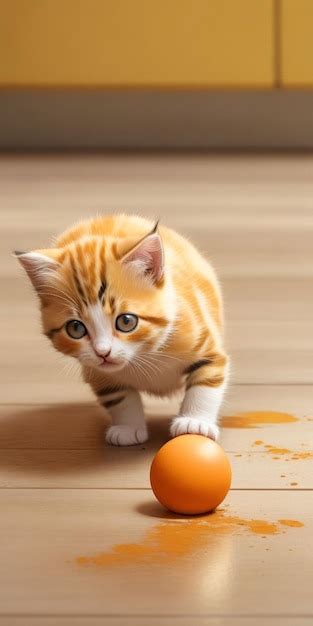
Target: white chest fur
<point>156,374</point>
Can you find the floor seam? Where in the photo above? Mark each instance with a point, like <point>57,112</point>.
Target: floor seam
<point>148,489</point>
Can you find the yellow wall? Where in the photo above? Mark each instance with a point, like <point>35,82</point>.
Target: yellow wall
<point>129,43</point>
<point>297,43</point>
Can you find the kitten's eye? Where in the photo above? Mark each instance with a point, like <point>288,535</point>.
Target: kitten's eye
<point>76,329</point>
<point>126,322</point>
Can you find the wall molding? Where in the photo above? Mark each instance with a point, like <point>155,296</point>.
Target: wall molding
<point>38,119</point>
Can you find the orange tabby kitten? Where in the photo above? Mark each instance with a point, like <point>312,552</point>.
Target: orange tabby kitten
<point>141,310</point>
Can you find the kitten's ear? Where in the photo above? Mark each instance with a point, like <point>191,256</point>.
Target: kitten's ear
<point>40,265</point>
<point>146,258</point>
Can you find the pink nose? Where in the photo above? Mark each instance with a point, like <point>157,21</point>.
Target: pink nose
<point>104,356</point>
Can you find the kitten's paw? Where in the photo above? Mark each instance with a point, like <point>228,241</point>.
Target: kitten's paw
<point>194,426</point>
<point>126,435</point>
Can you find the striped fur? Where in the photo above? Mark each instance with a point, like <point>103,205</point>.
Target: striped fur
<point>196,366</point>
<point>108,266</point>
<point>109,403</point>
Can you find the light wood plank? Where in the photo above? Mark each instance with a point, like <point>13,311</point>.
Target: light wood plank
<point>118,469</point>
<point>248,203</point>
<point>255,249</point>
<point>266,345</point>
<point>262,300</point>
<point>48,377</point>
<point>140,620</point>
<point>202,572</point>
<point>63,446</point>
<point>81,426</point>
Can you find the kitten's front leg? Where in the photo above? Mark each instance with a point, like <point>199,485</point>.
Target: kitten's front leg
<point>128,419</point>
<point>205,386</point>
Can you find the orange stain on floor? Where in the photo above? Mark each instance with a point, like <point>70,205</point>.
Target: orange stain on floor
<point>175,539</point>
<point>293,455</point>
<point>276,450</point>
<point>302,455</point>
<point>253,419</point>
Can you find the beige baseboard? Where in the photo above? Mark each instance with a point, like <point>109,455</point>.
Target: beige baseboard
<point>117,119</point>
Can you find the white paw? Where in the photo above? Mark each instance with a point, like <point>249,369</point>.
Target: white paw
<point>126,435</point>
<point>194,426</point>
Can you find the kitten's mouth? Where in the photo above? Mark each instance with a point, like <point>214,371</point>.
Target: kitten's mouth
<point>110,364</point>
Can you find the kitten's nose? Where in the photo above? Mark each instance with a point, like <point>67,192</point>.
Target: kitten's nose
<point>103,355</point>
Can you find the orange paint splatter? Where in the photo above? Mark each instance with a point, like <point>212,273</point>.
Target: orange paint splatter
<point>254,419</point>
<point>274,450</point>
<point>293,455</point>
<point>174,539</point>
<point>302,455</point>
<point>258,442</point>
<point>291,522</point>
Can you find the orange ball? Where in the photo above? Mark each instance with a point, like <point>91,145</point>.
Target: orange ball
<point>190,474</point>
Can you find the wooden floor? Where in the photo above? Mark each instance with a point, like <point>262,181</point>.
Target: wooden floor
<point>82,539</point>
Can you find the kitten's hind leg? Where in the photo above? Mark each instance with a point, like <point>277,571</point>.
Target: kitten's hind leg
<point>127,414</point>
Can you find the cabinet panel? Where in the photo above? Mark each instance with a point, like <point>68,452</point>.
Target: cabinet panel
<point>138,43</point>
<point>296,29</point>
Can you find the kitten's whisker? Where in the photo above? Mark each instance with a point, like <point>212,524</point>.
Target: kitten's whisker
<point>148,368</point>
<point>133,369</point>
<point>152,366</point>
<point>143,370</point>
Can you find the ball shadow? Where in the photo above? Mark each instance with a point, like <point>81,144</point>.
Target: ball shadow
<point>154,509</point>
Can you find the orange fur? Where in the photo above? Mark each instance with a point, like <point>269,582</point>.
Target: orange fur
<point>184,302</point>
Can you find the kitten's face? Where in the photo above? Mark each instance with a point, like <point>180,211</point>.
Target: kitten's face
<point>105,307</point>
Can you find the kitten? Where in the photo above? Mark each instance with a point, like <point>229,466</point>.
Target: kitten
<point>141,310</point>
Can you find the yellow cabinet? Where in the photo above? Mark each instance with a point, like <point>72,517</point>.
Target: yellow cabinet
<point>296,34</point>
<point>137,43</point>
